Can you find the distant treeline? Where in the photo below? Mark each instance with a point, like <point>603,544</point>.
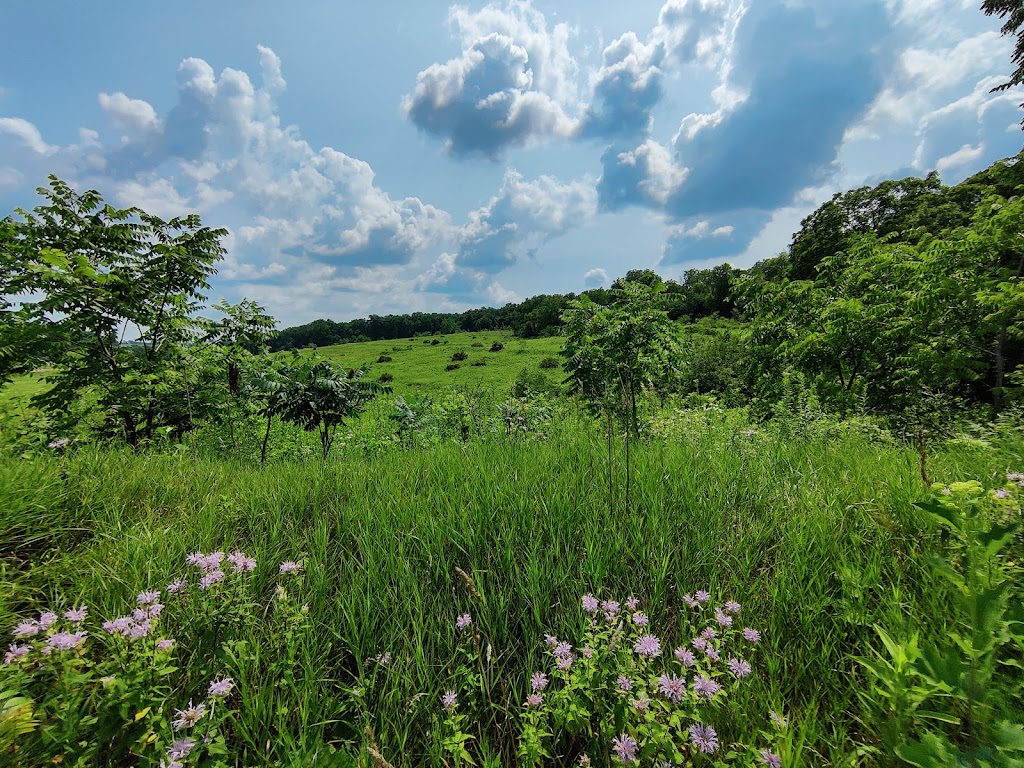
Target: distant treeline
<point>901,210</point>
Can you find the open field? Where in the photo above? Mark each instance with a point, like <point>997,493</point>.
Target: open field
<point>815,537</point>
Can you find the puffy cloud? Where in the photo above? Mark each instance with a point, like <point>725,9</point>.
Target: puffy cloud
<point>595,278</point>
<point>646,175</point>
<point>509,87</point>
<point>26,134</point>
<point>135,117</point>
<point>521,217</point>
<point>958,137</point>
<point>808,73</point>
<point>711,240</point>
<point>630,83</point>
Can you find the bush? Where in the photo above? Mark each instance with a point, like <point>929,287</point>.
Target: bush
<point>476,344</point>
<point>478,363</point>
<point>384,359</point>
<point>460,355</point>
<point>434,342</point>
<point>549,362</point>
<point>452,367</point>
<point>497,346</point>
<point>385,378</point>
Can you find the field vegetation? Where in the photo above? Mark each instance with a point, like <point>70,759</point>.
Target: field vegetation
<point>786,531</point>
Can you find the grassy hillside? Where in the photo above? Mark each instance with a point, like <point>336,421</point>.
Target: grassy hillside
<point>418,365</point>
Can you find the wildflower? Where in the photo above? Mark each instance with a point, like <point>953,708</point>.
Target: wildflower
<point>690,601</point>
<point>47,619</point>
<point>171,763</point>
<point>165,644</point>
<point>712,653</point>
<point>672,687</point>
<point>289,567</point>
<point>1015,477</point>
<point>463,621</point>
<point>147,598</point>
<point>65,641</point>
<point>739,667</point>
<point>709,633</point>
<point>139,615</point>
<point>587,652</point>
<point>770,759</point>
<point>632,603</point>
<point>723,618</point>
<point>625,748</point>
<point>624,683</point>
<point>211,578</point>
<point>564,663</point>
<point>26,629</point>
<point>60,442</point>
<point>139,630</point>
<point>383,658</point>
<point>551,640</point>
<point>584,761</point>
<point>189,716</point>
<point>449,701</point>
<point>699,643</point>
<point>241,561</point>
<point>534,700</point>
<point>222,686</point>
<point>589,603</point>
<point>180,748</point>
<point>538,681</point>
<point>732,607</point>
<point>778,720</point>
<point>640,619</point>
<point>154,610</point>
<point>686,656</point>
<point>1001,493</point>
<point>178,585</point>
<point>641,704</point>
<point>76,615</point>
<point>751,635</point>
<point>705,687</point>
<point>562,650</point>
<point>704,738</point>
<point>648,646</point>
<point>610,608</point>
<point>702,596</point>
<point>16,651</point>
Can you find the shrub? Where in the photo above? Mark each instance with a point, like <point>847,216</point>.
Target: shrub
<point>452,367</point>
<point>478,363</point>
<point>434,342</point>
<point>384,378</point>
<point>460,355</point>
<point>476,344</point>
<point>497,346</point>
<point>384,359</point>
<point>549,362</point>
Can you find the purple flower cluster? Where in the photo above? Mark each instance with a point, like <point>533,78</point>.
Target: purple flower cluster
<point>625,748</point>
<point>463,621</point>
<point>590,603</point>
<point>65,641</point>
<point>449,700</point>
<point>704,738</point>
<point>648,647</point>
<point>289,566</point>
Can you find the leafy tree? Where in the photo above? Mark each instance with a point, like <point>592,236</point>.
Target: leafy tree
<point>318,397</point>
<point>113,294</point>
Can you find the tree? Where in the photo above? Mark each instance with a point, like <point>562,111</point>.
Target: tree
<point>613,352</point>
<point>112,294</point>
<point>1013,12</point>
<point>317,397</point>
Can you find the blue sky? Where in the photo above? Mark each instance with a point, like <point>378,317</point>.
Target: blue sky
<point>394,157</point>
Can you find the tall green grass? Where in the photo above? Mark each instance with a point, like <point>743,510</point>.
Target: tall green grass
<point>814,536</point>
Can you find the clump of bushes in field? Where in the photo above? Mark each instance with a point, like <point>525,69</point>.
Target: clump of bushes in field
<point>476,343</point>
<point>478,363</point>
<point>460,355</point>
<point>452,367</point>
<point>386,378</point>
<point>497,346</point>
<point>384,359</point>
<point>549,362</point>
